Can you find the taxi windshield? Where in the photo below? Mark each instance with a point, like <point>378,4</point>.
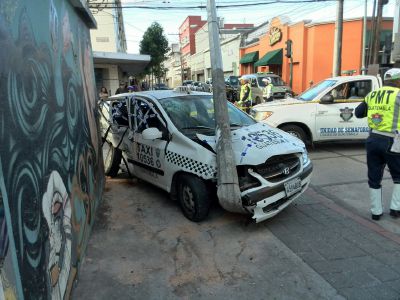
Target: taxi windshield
<point>195,113</point>
<point>314,91</point>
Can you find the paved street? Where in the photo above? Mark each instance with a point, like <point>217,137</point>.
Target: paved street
<point>323,247</point>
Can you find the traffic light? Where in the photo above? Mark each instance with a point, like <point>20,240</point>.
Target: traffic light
<point>288,49</point>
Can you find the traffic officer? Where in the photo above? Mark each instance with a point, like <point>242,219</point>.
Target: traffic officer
<point>246,99</point>
<point>268,89</point>
<point>382,107</point>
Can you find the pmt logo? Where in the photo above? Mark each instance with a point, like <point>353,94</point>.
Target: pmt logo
<point>346,113</point>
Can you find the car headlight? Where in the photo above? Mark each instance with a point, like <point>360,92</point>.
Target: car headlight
<point>305,157</point>
<point>262,115</point>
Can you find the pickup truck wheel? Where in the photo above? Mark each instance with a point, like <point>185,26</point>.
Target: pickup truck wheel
<point>111,159</point>
<point>193,197</point>
<point>258,100</point>
<point>295,131</point>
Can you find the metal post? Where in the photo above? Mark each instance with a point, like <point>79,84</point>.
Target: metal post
<point>337,51</point>
<point>395,57</point>
<point>291,73</point>
<point>364,44</point>
<point>372,35</point>
<point>378,31</point>
<point>228,184</point>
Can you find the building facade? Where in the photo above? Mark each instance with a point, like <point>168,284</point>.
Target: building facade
<point>312,49</point>
<point>173,77</point>
<point>111,62</point>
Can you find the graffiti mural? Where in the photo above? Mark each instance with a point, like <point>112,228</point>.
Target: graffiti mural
<point>51,173</point>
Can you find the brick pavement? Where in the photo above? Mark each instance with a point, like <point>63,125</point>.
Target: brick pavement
<point>356,256</point>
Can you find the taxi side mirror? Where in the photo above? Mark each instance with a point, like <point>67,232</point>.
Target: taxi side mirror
<point>327,99</point>
<point>151,133</point>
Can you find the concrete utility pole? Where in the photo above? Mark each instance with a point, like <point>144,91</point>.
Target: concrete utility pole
<point>377,32</point>
<point>363,64</point>
<point>228,184</point>
<point>372,35</point>
<point>337,51</point>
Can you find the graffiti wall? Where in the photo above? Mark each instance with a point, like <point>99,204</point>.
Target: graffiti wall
<point>51,173</point>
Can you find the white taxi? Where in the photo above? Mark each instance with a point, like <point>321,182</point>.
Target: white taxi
<point>168,139</point>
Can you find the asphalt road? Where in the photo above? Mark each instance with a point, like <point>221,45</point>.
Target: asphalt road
<point>322,247</point>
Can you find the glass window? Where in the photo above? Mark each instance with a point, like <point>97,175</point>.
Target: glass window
<point>145,117</point>
<point>352,90</point>
<point>276,81</point>
<point>314,91</point>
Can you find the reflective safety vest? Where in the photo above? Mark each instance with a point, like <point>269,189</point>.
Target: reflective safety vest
<point>243,92</point>
<point>384,109</point>
<point>268,90</point>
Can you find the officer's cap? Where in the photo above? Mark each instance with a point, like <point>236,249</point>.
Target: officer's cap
<point>392,74</point>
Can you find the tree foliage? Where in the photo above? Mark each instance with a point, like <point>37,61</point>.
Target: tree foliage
<point>155,44</point>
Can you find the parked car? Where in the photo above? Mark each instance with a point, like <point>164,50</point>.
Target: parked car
<point>325,112</point>
<point>161,86</point>
<point>279,91</point>
<point>232,85</point>
<point>169,141</point>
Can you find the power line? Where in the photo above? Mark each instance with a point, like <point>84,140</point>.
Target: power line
<point>97,5</point>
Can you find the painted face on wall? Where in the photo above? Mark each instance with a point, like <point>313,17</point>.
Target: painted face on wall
<point>56,207</point>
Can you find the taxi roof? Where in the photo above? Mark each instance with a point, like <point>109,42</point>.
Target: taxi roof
<point>158,94</point>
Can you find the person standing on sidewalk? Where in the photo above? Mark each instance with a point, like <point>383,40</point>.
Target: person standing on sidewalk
<point>382,107</point>
<point>246,100</point>
<point>268,89</point>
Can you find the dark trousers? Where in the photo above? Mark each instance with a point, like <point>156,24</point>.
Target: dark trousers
<point>378,156</point>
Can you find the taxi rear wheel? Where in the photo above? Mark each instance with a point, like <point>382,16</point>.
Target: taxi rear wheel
<point>193,197</point>
<point>295,131</point>
<point>111,158</point>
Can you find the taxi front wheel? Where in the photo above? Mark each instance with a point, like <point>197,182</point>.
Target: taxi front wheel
<point>193,197</point>
<point>111,158</point>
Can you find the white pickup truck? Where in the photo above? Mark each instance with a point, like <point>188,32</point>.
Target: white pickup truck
<point>324,112</point>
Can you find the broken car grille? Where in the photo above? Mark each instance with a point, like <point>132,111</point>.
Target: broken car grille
<point>279,167</point>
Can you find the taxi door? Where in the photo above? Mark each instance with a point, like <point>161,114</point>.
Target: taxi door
<point>336,120</point>
<point>147,155</point>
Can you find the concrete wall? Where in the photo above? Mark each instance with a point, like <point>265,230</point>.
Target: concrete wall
<point>51,172</point>
<point>104,38</point>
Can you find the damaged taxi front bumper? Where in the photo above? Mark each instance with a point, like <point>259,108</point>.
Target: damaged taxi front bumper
<point>269,199</point>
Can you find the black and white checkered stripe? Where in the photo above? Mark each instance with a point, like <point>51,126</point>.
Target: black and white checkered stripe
<point>192,166</point>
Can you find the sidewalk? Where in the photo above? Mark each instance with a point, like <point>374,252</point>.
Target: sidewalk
<point>143,248</point>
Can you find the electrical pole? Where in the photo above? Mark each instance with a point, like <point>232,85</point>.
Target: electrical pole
<point>228,184</point>
<point>372,35</point>
<point>377,32</point>
<point>364,44</point>
<point>337,51</point>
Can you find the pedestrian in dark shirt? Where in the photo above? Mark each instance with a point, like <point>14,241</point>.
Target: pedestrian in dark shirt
<point>123,88</point>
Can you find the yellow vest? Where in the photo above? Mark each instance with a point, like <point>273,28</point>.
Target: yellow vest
<point>383,109</point>
<point>250,93</point>
<point>243,91</point>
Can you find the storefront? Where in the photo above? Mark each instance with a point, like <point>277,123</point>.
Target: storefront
<point>312,50</point>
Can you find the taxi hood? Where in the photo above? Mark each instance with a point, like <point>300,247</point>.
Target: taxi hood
<point>254,144</point>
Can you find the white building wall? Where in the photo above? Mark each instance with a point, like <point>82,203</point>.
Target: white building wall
<point>230,57</point>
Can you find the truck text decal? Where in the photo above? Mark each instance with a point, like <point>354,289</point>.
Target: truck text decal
<point>340,131</point>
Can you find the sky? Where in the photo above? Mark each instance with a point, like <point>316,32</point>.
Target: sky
<point>137,20</point>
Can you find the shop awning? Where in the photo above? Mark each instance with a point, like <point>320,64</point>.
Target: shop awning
<point>249,58</point>
<point>130,63</point>
<point>271,58</point>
